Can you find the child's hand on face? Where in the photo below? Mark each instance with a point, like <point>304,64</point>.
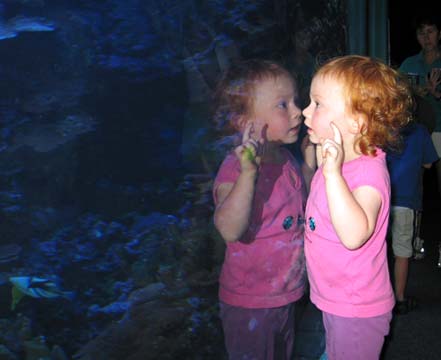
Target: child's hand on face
<point>247,152</point>
<point>332,153</point>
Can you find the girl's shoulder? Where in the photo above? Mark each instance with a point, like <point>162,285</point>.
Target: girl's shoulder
<point>230,159</point>
<point>368,170</point>
<point>229,169</point>
<point>367,161</point>
<point>377,162</point>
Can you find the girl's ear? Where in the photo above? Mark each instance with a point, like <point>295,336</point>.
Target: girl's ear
<point>241,122</point>
<point>357,123</point>
<point>236,123</point>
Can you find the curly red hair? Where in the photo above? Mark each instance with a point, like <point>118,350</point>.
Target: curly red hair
<point>380,94</point>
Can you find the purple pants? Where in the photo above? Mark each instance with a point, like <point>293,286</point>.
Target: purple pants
<point>258,334</point>
<point>355,338</point>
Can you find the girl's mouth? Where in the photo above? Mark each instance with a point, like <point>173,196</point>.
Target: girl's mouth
<point>295,128</point>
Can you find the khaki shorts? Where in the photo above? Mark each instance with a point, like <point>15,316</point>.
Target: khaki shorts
<point>436,139</point>
<point>402,229</point>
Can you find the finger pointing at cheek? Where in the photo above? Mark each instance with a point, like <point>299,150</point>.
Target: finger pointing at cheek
<point>337,134</point>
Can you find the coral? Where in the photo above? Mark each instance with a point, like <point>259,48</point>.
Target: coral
<point>6,354</point>
<point>47,137</point>
<point>36,349</point>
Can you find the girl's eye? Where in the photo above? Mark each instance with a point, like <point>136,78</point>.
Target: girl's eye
<point>283,105</point>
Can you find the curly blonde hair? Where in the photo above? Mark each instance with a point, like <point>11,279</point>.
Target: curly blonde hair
<point>380,94</point>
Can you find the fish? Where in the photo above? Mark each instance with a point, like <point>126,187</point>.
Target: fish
<point>35,287</point>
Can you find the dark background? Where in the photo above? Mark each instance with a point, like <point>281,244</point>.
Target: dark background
<point>403,42</point>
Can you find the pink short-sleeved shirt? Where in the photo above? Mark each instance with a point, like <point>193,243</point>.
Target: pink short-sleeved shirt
<point>349,283</point>
<point>266,268</point>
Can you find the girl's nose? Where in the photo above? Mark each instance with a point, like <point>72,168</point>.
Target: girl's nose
<point>305,112</point>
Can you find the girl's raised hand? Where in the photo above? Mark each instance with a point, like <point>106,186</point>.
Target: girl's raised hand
<point>332,152</point>
<point>247,152</point>
<point>433,80</point>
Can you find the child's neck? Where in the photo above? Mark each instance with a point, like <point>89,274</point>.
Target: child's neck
<point>350,157</point>
<point>273,154</point>
<point>351,152</point>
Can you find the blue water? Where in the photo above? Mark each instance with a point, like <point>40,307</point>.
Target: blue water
<point>107,154</point>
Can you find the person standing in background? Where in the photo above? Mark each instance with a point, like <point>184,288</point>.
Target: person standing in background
<point>425,68</point>
<point>405,169</point>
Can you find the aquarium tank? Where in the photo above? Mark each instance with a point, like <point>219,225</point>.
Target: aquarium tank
<point>108,151</point>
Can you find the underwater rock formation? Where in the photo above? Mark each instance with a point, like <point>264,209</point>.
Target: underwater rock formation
<point>12,27</point>
<point>98,107</point>
<point>9,253</point>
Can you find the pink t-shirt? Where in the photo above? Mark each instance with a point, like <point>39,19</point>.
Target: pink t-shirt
<point>349,283</point>
<point>266,268</point>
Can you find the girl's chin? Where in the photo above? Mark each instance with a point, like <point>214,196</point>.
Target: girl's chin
<point>313,139</point>
<point>293,138</point>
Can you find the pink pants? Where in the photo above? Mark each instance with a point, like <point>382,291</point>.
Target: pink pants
<point>258,334</point>
<point>355,338</point>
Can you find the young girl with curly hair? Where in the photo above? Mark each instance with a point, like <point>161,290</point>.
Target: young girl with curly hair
<point>358,106</point>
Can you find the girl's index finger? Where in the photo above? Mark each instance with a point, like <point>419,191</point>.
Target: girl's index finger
<point>337,134</point>
<point>247,132</point>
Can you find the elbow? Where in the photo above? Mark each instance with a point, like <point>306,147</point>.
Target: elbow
<point>352,246</point>
<point>355,237</point>
<point>228,237</point>
<point>354,243</point>
<point>224,231</point>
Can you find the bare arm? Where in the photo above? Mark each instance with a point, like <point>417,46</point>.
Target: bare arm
<point>353,214</point>
<point>235,200</point>
<point>233,212</point>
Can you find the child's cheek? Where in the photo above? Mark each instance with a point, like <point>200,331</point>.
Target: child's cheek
<point>262,131</point>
